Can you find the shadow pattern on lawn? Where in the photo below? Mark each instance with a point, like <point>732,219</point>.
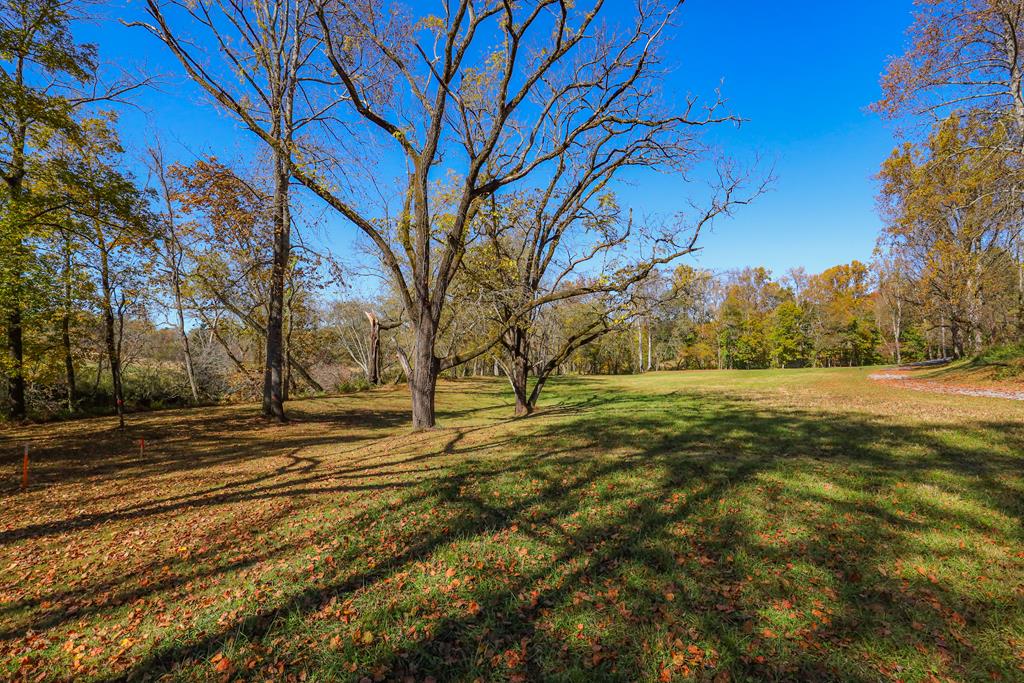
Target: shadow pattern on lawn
<point>620,537</point>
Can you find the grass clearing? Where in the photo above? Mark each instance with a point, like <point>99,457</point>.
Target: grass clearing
<point>803,524</point>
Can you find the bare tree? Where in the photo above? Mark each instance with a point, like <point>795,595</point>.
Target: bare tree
<point>559,80</point>
<point>541,248</point>
<point>264,50</point>
<point>172,254</point>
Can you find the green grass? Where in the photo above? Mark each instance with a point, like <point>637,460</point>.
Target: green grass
<point>788,525</point>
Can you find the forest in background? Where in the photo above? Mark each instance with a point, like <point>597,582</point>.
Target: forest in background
<point>184,284</point>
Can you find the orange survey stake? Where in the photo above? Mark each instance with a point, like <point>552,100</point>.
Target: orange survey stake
<point>24,470</point>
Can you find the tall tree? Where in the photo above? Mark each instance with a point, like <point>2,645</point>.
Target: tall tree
<point>257,72</point>
<point>487,98</point>
<point>963,55</point>
<point>40,63</point>
<point>172,254</point>
<point>116,228</point>
<point>952,219</point>
<point>231,222</point>
<point>540,246</point>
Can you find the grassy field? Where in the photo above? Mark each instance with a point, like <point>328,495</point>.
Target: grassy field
<point>808,525</point>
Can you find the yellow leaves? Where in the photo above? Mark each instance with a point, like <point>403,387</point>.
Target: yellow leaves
<point>432,23</point>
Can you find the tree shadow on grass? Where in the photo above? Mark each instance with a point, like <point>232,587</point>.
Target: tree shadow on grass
<point>630,537</point>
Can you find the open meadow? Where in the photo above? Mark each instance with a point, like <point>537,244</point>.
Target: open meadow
<point>802,524</point>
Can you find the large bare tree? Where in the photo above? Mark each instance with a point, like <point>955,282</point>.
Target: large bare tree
<point>566,239</point>
<point>481,98</point>
<point>489,96</point>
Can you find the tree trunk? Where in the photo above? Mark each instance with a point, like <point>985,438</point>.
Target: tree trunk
<point>65,331</point>
<point>16,355</point>
<point>639,347</point>
<point>373,364</point>
<point>17,409</point>
<point>186,348</point>
<point>174,256</point>
<point>273,374</point>
<point>519,377</point>
<point>113,352</point>
<point>517,343</point>
<point>425,368</point>
<point>15,179</point>
<point>650,348</point>
<point>69,361</point>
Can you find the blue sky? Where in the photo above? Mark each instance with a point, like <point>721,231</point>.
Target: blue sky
<point>801,78</point>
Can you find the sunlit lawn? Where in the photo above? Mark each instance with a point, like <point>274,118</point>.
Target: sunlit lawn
<point>807,525</point>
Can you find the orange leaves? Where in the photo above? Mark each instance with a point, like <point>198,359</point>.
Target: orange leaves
<point>929,575</point>
<point>223,666</point>
<point>688,660</point>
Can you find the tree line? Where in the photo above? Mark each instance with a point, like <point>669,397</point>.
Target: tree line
<point>477,152</point>
<point>510,124</point>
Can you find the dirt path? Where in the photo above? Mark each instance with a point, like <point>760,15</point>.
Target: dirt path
<point>908,382</point>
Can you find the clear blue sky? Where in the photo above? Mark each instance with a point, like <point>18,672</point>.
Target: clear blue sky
<point>802,78</point>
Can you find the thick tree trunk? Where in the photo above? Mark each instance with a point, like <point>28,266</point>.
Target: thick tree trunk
<point>425,369</point>
<point>273,374</point>
<point>518,345</point>
<point>519,377</point>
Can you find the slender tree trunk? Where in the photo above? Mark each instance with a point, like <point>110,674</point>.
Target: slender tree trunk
<point>273,375</point>
<point>639,347</point>
<point>65,330</point>
<point>69,361</point>
<point>942,329</point>
<point>113,351</point>
<point>186,347</point>
<point>174,256</point>
<point>650,348</point>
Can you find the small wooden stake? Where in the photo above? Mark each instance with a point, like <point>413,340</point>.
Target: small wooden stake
<point>142,447</point>
<point>24,470</point>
